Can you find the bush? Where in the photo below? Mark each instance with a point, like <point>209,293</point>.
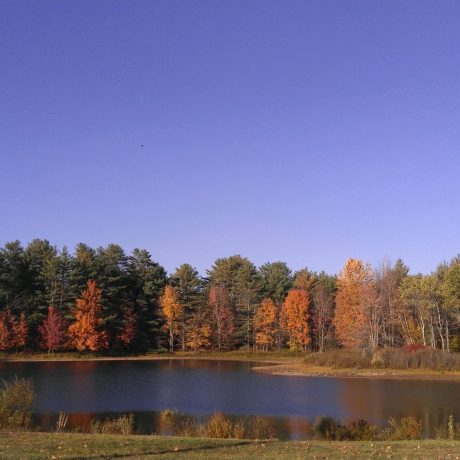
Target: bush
<point>451,431</point>
<point>411,347</point>
<point>340,358</point>
<point>361,430</point>
<point>116,425</point>
<point>331,429</point>
<point>16,400</point>
<point>415,356</point>
<point>260,428</point>
<point>217,426</point>
<point>406,428</point>
<point>177,424</point>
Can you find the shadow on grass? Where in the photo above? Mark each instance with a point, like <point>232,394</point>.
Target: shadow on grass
<point>210,447</point>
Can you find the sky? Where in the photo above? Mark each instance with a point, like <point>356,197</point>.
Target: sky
<point>302,131</point>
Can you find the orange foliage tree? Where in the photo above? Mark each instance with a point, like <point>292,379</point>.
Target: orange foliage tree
<point>265,324</point>
<point>354,301</point>
<point>294,317</point>
<point>199,337</point>
<point>86,333</point>
<point>52,331</point>
<point>172,311</point>
<point>222,316</point>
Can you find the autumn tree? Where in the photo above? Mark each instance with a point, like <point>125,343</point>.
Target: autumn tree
<point>294,317</point>
<point>222,316</point>
<point>128,327</point>
<point>199,337</point>
<point>450,288</point>
<point>87,333</point>
<point>20,331</point>
<point>357,318</point>
<point>265,323</point>
<point>7,324</point>
<point>305,279</point>
<point>277,278</point>
<point>388,279</point>
<point>322,309</point>
<point>423,309</point>
<point>172,312</point>
<point>52,331</point>
<point>243,285</point>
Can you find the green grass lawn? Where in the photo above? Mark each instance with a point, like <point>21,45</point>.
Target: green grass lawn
<point>81,446</point>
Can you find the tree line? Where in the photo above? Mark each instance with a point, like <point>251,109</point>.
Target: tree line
<point>103,299</point>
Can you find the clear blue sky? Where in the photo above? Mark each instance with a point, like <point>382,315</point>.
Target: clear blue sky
<point>302,131</point>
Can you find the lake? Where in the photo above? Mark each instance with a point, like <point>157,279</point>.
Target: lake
<point>89,389</point>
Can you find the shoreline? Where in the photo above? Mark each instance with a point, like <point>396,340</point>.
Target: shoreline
<point>281,365</point>
<point>304,370</point>
<point>246,357</point>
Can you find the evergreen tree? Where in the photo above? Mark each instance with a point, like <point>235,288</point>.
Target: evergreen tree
<point>82,269</point>
<point>147,281</point>
<point>40,260</point>
<point>112,275</point>
<point>13,276</point>
<point>189,286</point>
<point>277,280</point>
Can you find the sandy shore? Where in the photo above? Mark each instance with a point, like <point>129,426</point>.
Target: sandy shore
<point>305,370</point>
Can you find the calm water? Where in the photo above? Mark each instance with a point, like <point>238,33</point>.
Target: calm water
<point>95,389</point>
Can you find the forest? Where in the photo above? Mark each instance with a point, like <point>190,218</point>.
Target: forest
<point>104,300</point>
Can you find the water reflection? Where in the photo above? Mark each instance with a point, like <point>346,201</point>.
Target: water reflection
<point>377,400</point>
<point>89,389</point>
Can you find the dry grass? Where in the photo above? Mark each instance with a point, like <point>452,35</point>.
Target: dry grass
<point>387,358</point>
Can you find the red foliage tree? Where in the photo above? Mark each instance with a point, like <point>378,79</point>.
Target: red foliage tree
<point>7,322</point>
<point>128,330</point>
<point>52,332</point>
<point>20,332</point>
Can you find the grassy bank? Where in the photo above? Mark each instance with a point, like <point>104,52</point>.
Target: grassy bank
<point>17,446</point>
<point>239,355</point>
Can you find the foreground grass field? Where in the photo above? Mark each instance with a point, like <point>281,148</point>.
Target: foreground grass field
<point>55,446</point>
